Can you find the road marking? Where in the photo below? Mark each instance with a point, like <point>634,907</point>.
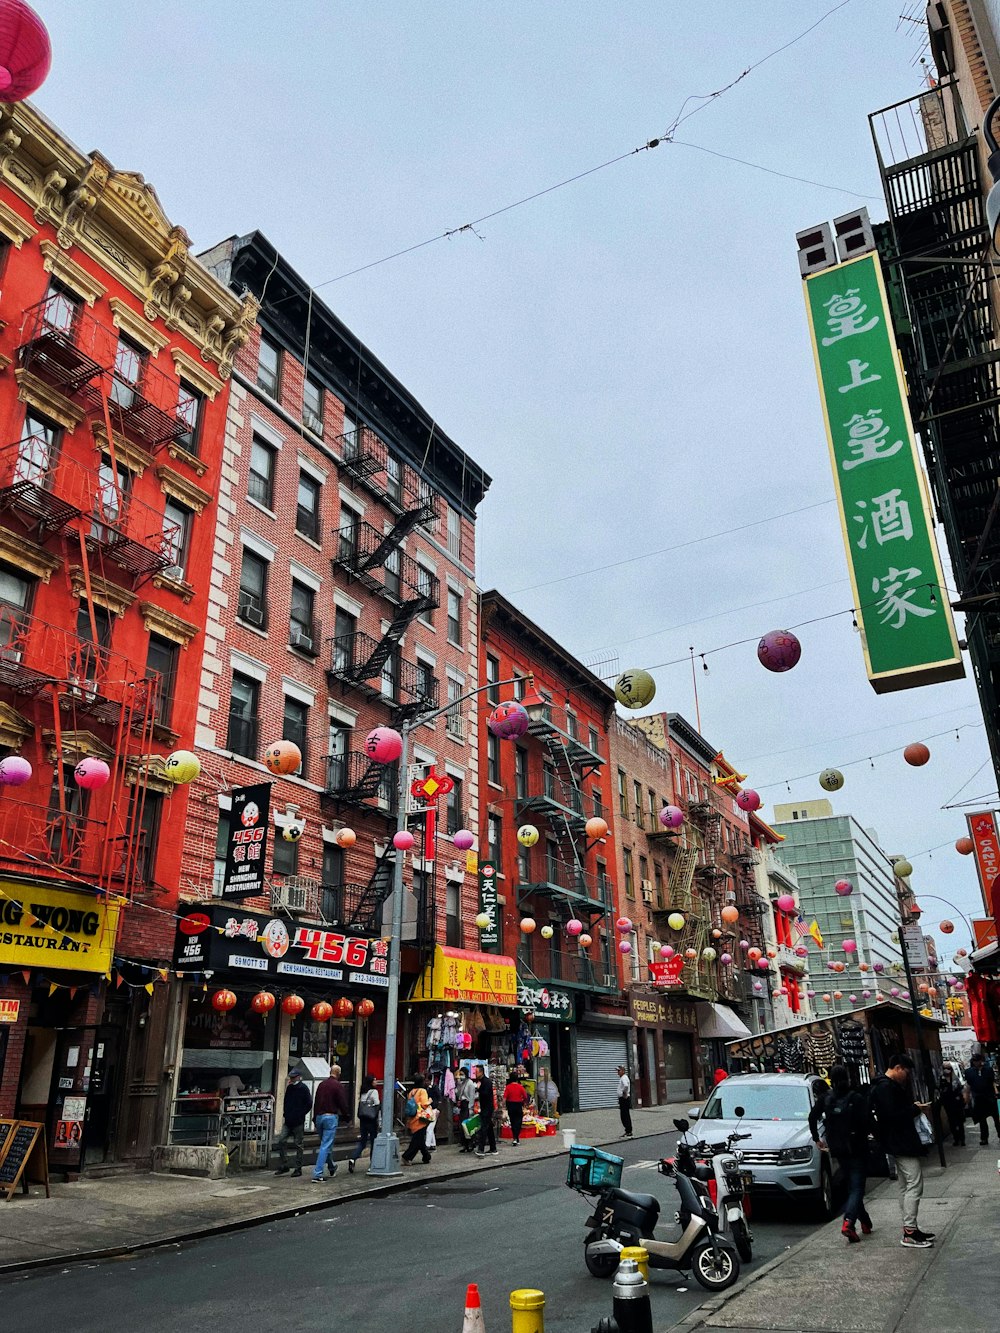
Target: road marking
<point>643,1166</point>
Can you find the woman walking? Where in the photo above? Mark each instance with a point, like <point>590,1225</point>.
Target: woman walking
<point>368,1117</point>
<point>417,1123</point>
<point>845,1132</point>
<point>466,1090</point>
<point>515,1095</point>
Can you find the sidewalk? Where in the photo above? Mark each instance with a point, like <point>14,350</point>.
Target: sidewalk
<point>114,1215</point>
<point>824,1285</point>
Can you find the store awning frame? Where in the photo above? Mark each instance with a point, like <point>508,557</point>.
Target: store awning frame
<point>463,976</point>
<point>716,1022</point>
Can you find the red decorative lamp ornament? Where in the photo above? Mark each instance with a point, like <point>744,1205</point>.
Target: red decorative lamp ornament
<point>293,1005</point>
<point>321,1012</point>
<point>964,846</point>
<point>366,1008</point>
<point>263,1002</point>
<point>223,1001</point>
<point>25,51</point>
<point>917,754</point>
<point>343,1008</point>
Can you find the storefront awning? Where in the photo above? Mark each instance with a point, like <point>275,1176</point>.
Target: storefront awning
<point>717,1022</point>
<point>465,977</point>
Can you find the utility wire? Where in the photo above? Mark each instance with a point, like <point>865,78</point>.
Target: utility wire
<point>771,171</point>
<point>868,731</point>
<point>866,758</point>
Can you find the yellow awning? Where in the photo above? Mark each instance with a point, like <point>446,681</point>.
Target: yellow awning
<point>463,976</point>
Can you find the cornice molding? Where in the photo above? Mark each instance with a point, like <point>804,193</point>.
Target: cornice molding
<point>130,455</point>
<point>159,621</point>
<point>177,486</point>
<point>181,455</point>
<point>14,227</point>
<point>111,596</point>
<point>136,326</point>
<point>14,729</point>
<point>75,744</point>
<point>50,402</point>
<point>68,271</point>
<point>182,589</point>
<point>197,374</point>
<point>24,554</point>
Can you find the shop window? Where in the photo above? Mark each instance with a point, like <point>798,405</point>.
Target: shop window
<point>232,1052</point>
<point>161,661</point>
<point>260,480</point>
<point>453,914</point>
<point>190,406</point>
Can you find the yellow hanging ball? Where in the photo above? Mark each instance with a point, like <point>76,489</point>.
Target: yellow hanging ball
<point>483,921</point>
<point>675,921</point>
<point>635,689</point>
<point>181,767</point>
<point>527,835</point>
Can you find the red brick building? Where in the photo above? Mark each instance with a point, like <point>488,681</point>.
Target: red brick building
<point>343,598</point>
<point>115,352</point>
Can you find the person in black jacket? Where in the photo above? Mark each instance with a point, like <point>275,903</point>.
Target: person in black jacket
<point>951,1096</point>
<point>895,1114</point>
<point>297,1105</point>
<point>982,1088</point>
<point>845,1134</point>
<point>487,1106</point>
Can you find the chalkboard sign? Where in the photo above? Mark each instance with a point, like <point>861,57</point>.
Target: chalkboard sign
<point>851,1035</point>
<point>6,1130</point>
<point>25,1148</point>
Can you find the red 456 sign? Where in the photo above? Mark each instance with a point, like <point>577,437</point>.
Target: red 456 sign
<point>327,946</point>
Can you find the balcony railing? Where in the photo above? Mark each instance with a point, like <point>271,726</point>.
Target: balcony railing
<point>132,534</point>
<point>550,722</point>
<point>356,779</point>
<point>145,409</point>
<point>64,345</point>
<point>366,458</point>
<point>364,551</point>
<point>559,879</point>
<point>45,488</point>
<point>42,840</point>
<point>360,659</point>
<point>568,968</point>
<point>919,126</point>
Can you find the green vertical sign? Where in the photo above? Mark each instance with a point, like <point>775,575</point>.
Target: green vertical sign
<point>903,612</point>
<point>489,939</point>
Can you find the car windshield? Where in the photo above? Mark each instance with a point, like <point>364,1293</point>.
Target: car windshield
<point>763,1101</point>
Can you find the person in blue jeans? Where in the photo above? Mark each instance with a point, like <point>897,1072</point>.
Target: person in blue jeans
<point>845,1134</point>
<point>329,1105</point>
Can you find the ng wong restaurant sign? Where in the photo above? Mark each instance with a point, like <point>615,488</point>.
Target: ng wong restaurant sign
<point>221,938</point>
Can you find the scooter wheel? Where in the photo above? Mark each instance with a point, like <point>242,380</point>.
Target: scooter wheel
<point>716,1266</point>
<point>741,1239</point>
<point>599,1265</point>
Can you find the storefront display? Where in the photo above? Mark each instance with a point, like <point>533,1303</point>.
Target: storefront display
<point>666,1029</point>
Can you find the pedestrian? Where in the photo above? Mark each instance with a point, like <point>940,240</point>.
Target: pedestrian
<point>487,1106</point>
<point>368,1118</point>
<point>719,1076</point>
<point>295,1107</point>
<point>625,1101</point>
<point>951,1095</point>
<point>548,1093</point>
<point>328,1108</point>
<point>417,1123</point>
<point>845,1136</point>
<point>983,1091</point>
<point>819,1091</point>
<point>466,1090</point>
<point>895,1128</point>
<point>515,1094</point>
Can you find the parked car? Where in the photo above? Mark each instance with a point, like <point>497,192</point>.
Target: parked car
<point>774,1110</point>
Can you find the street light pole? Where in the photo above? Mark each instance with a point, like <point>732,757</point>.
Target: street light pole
<point>385,1150</point>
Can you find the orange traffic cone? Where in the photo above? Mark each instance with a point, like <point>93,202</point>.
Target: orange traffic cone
<point>473,1321</point>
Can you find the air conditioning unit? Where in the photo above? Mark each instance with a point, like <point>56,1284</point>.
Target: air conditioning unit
<point>294,892</point>
<point>647,890</point>
<point>300,639</point>
<point>249,611</point>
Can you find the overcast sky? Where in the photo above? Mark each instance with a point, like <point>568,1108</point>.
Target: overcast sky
<point>627,356</point>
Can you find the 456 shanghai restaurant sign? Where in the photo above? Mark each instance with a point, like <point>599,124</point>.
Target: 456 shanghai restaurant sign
<point>219,938</point>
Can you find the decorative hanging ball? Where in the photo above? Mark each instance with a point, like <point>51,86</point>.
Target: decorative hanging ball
<point>586,940</point>
<point>893,990</point>
<point>754,954</point>
<point>263,1002</point>
<point>343,1008</point>
<point>827,999</point>
<point>635,688</point>
<point>91,773</point>
<point>839,967</point>
<point>690,953</point>
<point>831,966</point>
<point>675,921</point>
<point>730,914</point>
<point>903,869</point>
<point>546,932</point>
<point>624,946</point>
<point>745,945</point>
<point>709,954</point>
<point>763,964</point>
<point>831,779</point>
<point>464,840</point>
<point>293,830</point>
<point>748,799</point>
<point>574,926</point>
<point>964,846</point>
<point>917,754</point>
<point>785,902</point>
<point>779,650</point>
<point>838,994</point>
<point>960,985</point>
<point>843,888</point>
<point>811,994</point>
<point>293,1005</point>
<point>508,721</point>
<point>346,837</point>
<point>947,927</point>
<point>527,925</point>
<point>15,771</point>
<point>666,951</point>
<point>801,951</point>
<point>223,1001</point>
<point>961,953</point>
<point>282,758</point>
<point>596,828</point>
<point>758,986</point>
<point>866,995</point>
<point>776,994</point>
<point>853,999</point>
<point>403,840</point>
<point>923,988</point>
<point>772,953</point>
<point>384,745</point>
<point>878,967</point>
<point>527,835</point>
<point>932,991</point>
<point>671,816</point>
<point>850,946</point>
<point>623,925</point>
<point>181,767</point>
<point>365,1008</point>
<point>321,1012</point>
<point>25,51</point>
<point>725,959</point>
<point>716,934</point>
<point>483,921</point>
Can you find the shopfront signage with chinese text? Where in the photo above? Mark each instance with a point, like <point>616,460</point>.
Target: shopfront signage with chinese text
<point>553,1006</point>
<point>246,850</point>
<point>489,939</point>
<point>656,1011</point>
<point>902,607</point>
<point>985,837</point>
<point>462,975</point>
<point>984,931</point>
<point>667,975</point>
<point>51,928</point>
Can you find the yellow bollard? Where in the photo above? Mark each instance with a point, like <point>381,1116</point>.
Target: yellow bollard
<point>527,1311</point>
<point>641,1256</point>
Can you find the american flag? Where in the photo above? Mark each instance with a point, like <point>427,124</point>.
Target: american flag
<point>800,927</point>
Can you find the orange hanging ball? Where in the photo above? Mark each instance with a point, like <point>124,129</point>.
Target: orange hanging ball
<point>321,1012</point>
<point>917,754</point>
<point>343,1008</point>
<point>366,1008</point>
<point>263,1002</point>
<point>293,1005</point>
<point>223,1001</point>
<point>282,758</point>
<point>965,846</point>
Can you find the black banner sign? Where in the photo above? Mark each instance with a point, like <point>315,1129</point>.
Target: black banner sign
<point>246,852</point>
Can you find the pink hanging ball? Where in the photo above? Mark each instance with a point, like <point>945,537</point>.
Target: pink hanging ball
<point>748,799</point>
<point>15,771</point>
<point>894,990</point>
<point>574,927</point>
<point>878,967</point>
<point>666,951</point>
<point>843,887</point>
<point>383,745</point>
<point>403,840</point>
<point>866,994</point>
<point>726,958</point>
<point>624,946</point>
<point>758,986</point>
<point>623,925</point>
<point>850,946</point>
<point>25,51</point>
<point>744,945</point>
<point>463,839</point>
<point>671,816</point>
<point>91,774</point>
<point>853,999</point>
<point>811,994</point>
<point>763,964</point>
<point>779,650</point>
<point>785,902</point>
<point>508,721</point>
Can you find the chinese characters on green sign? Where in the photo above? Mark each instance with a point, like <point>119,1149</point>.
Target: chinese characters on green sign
<point>489,939</point>
<point>902,607</point>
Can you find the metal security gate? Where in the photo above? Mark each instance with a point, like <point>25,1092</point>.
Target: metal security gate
<point>597,1056</point>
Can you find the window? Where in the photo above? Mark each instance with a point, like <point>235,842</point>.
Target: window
<point>453,721</point>
<point>260,483</point>
<point>598,804</point>
<point>92,660</point>
<point>637,800</point>
<point>295,727</point>
<point>161,660</point>
<point>221,847</point>
<point>392,577</point>
<point>339,748</point>
<point>425,501</point>
<point>552,861</point>
<point>176,537</point>
<point>37,450</point>
<point>492,759</point>
<point>190,404</point>
<point>629,873</point>
<point>520,686</point>
<point>302,619</point>
<point>244,708</point>
<point>643,871</point>
<point>66,817</point>
<point>252,604</point>
<point>312,407</point>
<point>269,367</point>
<point>284,856</point>
<point>347,542</point>
<point>345,626</point>
<point>492,677</point>
<point>603,883</point>
<point>148,836</point>
<point>455,805</point>
<point>62,308</point>
<point>524,865</point>
<point>658,883</point>
<point>454,618</point>
<point>307,507</point>
<point>548,778</point>
<point>652,809</point>
<point>572,726</point>
<point>425,681</point>
<point>453,914</point>
<point>622,794</point>
<point>494,839</point>
<point>130,363</point>
<point>114,485</point>
<point>15,594</point>
<point>454,532</point>
<point>394,479</point>
<point>333,869</point>
<point>595,740</point>
<point>390,676</point>
<point>520,773</point>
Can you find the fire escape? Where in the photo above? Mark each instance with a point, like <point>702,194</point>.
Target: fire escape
<point>935,246</point>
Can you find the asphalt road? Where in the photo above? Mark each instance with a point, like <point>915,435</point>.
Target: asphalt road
<point>400,1263</point>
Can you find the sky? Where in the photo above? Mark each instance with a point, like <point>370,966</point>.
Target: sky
<point>627,356</point>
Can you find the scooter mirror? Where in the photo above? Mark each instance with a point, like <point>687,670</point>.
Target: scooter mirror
<point>740,1112</point>
<point>682,1125</point>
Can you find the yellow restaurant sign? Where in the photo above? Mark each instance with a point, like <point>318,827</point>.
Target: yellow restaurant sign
<point>475,978</point>
<point>56,928</point>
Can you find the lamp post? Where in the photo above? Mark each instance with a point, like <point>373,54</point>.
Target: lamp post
<point>385,1150</point>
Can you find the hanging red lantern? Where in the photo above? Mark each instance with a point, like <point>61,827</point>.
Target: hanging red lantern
<point>223,1001</point>
<point>263,1002</point>
<point>366,1008</point>
<point>321,1012</point>
<point>293,1005</point>
<point>25,51</point>
<point>343,1008</point>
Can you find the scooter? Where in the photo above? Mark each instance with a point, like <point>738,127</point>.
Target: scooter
<point>725,1181</point>
<point>621,1218</point>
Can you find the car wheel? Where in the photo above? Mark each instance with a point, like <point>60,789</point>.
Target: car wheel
<point>716,1265</point>
<point>823,1198</point>
<point>599,1265</point>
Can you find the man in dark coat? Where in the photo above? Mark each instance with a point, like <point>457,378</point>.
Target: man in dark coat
<point>297,1105</point>
<point>983,1089</point>
<point>487,1106</point>
<point>895,1114</point>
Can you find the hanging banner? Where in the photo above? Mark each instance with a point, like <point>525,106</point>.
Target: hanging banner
<point>667,975</point>
<point>985,837</point>
<point>489,939</point>
<point>56,928</point>
<point>903,613</point>
<point>246,851</point>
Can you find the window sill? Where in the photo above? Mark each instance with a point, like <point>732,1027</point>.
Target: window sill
<point>452,643</point>
<point>309,541</point>
<point>498,786</point>
<point>261,633</point>
<point>262,507</point>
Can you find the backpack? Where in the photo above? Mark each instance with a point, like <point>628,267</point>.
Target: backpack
<point>841,1127</point>
<point>410,1109</point>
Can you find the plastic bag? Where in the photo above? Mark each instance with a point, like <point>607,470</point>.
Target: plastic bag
<point>923,1128</point>
<point>430,1138</point>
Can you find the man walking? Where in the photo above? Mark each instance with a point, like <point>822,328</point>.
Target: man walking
<point>330,1105</point>
<point>983,1088</point>
<point>625,1101</point>
<point>295,1108</point>
<point>895,1112</point>
<point>487,1106</point>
